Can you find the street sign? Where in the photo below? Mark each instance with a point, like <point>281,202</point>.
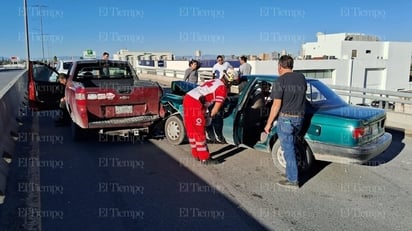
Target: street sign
<point>89,54</point>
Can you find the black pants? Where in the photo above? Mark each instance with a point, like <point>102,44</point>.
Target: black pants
<point>64,113</point>
<point>215,129</point>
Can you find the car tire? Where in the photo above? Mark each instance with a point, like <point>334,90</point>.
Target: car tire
<point>175,130</point>
<point>304,157</point>
<point>78,133</point>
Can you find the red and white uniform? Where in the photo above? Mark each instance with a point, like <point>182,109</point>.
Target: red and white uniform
<point>195,103</point>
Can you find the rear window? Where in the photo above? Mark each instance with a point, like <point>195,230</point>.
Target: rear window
<point>320,95</point>
<point>41,72</point>
<point>104,70</point>
<point>67,65</point>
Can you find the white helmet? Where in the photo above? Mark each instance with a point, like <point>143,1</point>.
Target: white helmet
<point>231,75</point>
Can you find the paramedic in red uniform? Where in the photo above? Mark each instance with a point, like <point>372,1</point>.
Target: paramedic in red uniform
<point>195,104</point>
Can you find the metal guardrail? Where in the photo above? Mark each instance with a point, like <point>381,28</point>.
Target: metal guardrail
<point>204,73</point>
<point>12,67</point>
<point>391,96</point>
<point>403,100</point>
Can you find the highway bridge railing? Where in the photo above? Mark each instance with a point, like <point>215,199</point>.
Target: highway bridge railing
<point>403,100</point>
<point>399,117</point>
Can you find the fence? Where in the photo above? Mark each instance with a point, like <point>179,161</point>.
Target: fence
<point>204,73</point>
<point>390,100</point>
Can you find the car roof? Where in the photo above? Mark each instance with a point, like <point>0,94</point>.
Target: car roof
<point>99,61</point>
<point>268,77</point>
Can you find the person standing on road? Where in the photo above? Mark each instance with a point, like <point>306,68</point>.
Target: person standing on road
<point>244,68</point>
<point>195,105</point>
<point>289,100</point>
<point>65,116</point>
<point>191,74</point>
<point>105,56</point>
<point>220,67</point>
<point>105,69</point>
<point>215,130</point>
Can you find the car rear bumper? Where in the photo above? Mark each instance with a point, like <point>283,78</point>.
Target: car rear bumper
<point>139,121</point>
<point>356,155</point>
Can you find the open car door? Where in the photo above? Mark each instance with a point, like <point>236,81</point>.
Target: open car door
<point>44,90</point>
<point>253,113</point>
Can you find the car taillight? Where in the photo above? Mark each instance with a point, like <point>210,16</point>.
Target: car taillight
<point>80,97</point>
<point>32,91</point>
<point>80,94</point>
<point>358,132</point>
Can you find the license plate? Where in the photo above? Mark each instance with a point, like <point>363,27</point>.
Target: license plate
<point>375,129</point>
<point>123,109</point>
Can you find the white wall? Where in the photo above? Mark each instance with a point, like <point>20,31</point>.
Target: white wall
<point>399,62</point>
<point>386,66</point>
<point>327,44</point>
<point>266,67</point>
<point>340,68</point>
<point>376,49</point>
<point>177,65</point>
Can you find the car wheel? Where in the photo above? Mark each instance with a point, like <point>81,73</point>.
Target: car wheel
<point>304,157</point>
<point>78,133</point>
<point>175,130</point>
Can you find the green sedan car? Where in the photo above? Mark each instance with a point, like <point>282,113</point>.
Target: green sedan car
<point>334,130</point>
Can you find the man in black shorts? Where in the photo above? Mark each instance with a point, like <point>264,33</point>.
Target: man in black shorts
<point>289,100</point>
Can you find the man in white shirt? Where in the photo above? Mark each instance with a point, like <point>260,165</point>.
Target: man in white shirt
<point>244,68</point>
<point>219,67</point>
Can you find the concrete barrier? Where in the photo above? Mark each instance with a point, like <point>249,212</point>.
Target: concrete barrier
<point>4,172</point>
<point>400,122</point>
<point>11,100</point>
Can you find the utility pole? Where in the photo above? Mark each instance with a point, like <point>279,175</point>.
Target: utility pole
<point>42,40</point>
<point>41,29</point>
<point>26,27</point>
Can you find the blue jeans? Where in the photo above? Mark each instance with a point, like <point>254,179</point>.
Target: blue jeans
<point>288,129</point>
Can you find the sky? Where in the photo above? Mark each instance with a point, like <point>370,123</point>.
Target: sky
<point>184,26</point>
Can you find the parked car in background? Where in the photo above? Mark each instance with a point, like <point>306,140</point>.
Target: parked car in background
<point>62,66</point>
<point>44,93</point>
<point>383,104</point>
<point>334,130</point>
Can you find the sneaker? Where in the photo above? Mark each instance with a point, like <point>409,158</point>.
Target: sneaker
<point>220,140</point>
<point>288,184</point>
<point>207,136</point>
<point>209,161</point>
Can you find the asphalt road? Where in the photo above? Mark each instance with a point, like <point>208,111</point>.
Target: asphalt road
<point>6,76</point>
<point>130,184</point>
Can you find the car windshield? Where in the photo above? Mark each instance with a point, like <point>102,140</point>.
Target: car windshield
<point>320,95</point>
<point>104,70</point>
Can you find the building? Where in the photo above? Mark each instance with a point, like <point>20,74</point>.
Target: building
<point>143,58</point>
<point>358,60</point>
<point>346,59</point>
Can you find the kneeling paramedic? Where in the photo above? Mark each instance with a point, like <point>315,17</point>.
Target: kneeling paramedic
<point>195,104</point>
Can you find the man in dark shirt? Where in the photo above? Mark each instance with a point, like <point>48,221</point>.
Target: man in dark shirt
<point>289,99</point>
<point>65,118</point>
<point>105,57</point>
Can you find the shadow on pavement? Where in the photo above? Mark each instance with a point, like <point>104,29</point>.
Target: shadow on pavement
<point>393,150</point>
<point>113,184</point>
<point>316,168</point>
<point>225,152</point>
